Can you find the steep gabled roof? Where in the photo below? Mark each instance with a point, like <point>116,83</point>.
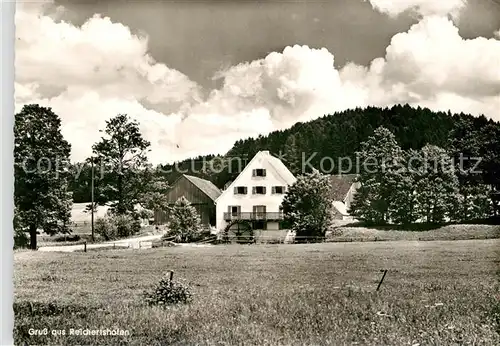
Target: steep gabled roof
<point>341,184</point>
<point>278,166</point>
<point>206,186</point>
<point>340,208</point>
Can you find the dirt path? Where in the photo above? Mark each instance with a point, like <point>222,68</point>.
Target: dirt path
<point>129,242</point>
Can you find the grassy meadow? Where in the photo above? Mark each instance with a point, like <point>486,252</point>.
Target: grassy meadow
<point>446,232</point>
<point>440,292</point>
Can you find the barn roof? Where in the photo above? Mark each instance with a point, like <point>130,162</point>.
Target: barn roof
<point>341,184</point>
<point>206,186</point>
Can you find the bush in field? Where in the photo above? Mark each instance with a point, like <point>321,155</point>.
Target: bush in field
<point>21,240</point>
<point>167,292</point>
<point>185,225</point>
<point>69,237</point>
<point>104,228</point>
<point>117,226</point>
<point>126,225</point>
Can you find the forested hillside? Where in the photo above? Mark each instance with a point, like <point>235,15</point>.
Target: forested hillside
<point>339,136</point>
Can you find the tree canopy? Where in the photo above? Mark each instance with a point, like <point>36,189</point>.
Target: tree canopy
<point>41,161</point>
<point>122,152</point>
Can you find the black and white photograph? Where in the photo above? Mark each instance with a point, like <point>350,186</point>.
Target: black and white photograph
<point>256,172</point>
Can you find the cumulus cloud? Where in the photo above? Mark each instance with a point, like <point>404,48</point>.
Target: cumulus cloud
<point>101,56</point>
<point>299,83</point>
<point>431,65</point>
<point>422,7</point>
<point>89,74</point>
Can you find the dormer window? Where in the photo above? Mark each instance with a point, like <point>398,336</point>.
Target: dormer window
<point>240,190</point>
<point>259,190</point>
<point>279,190</point>
<point>259,172</point>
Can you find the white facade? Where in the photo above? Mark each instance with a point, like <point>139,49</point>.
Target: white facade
<point>256,193</point>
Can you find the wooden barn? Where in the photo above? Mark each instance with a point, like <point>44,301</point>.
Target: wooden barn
<point>199,192</point>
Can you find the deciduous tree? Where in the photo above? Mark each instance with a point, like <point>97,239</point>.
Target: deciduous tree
<point>123,151</point>
<point>41,162</point>
<point>380,160</point>
<point>307,206</point>
<point>437,186</point>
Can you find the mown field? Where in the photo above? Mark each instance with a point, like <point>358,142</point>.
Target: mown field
<point>446,232</point>
<point>440,292</point>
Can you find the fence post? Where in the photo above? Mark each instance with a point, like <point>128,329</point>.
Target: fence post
<point>171,277</point>
<point>85,246</point>
<point>381,280</point>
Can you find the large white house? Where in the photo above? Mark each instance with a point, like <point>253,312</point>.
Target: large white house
<point>254,198</point>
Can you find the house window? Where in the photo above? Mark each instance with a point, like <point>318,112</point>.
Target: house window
<point>235,210</point>
<point>240,190</point>
<point>259,190</point>
<point>259,172</point>
<point>259,211</point>
<point>278,190</point>
<point>260,224</point>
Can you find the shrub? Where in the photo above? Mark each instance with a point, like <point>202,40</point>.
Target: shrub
<point>167,292</point>
<point>117,226</point>
<point>105,228</point>
<point>126,225</point>
<point>66,237</point>
<point>21,240</point>
<point>185,225</point>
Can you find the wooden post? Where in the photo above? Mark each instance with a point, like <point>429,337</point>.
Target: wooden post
<point>85,247</point>
<point>92,199</point>
<point>171,277</point>
<point>383,276</point>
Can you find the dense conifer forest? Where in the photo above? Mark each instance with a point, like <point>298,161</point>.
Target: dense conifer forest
<point>339,135</point>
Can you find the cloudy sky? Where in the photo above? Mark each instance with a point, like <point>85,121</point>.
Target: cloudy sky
<point>201,74</point>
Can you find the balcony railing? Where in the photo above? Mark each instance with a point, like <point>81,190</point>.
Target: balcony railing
<point>254,216</point>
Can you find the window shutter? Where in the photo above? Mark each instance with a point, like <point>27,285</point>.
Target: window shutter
<point>273,189</point>
<point>245,190</point>
<point>264,190</point>
<point>254,172</point>
<point>235,190</point>
<point>263,172</point>
<point>254,209</point>
<point>253,190</point>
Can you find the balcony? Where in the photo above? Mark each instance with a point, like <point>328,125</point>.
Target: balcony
<point>273,216</point>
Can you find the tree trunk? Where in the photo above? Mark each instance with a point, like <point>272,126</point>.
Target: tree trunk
<point>33,245</point>
<point>120,208</point>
